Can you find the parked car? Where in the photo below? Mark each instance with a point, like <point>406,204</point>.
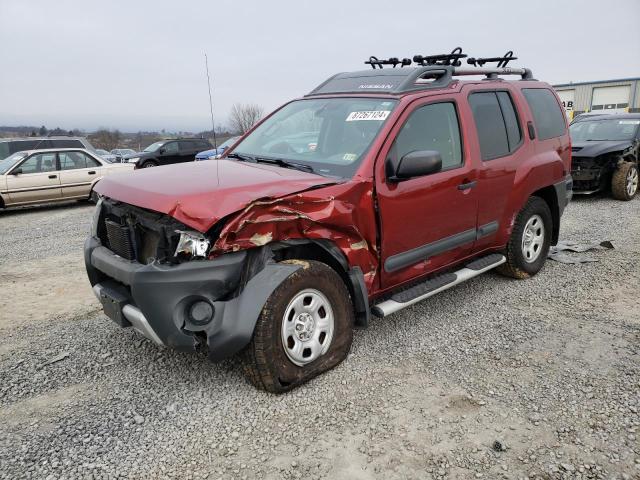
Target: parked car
<point>121,153</point>
<point>109,157</point>
<point>426,181</point>
<point>606,149</point>
<point>216,152</point>
<point>165,152</point>
<point>9,146</point>
<point>42,176</point>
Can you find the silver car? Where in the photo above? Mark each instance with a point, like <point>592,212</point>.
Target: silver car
<point>40,176</point>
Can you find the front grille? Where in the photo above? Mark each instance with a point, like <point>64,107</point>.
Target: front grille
<point>120,240</point>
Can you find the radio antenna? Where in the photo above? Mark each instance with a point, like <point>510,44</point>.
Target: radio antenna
<point>213,126</point>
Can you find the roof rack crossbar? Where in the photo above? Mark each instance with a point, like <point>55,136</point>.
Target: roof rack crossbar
<point>452,58</point>
<point>525,73</point>
<point>500,61</point>
<point>375,62</point>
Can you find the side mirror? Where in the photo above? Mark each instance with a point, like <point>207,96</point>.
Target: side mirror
<point>414,164</point>
<point>16,171</point>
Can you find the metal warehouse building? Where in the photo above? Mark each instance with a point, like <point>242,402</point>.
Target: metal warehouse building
<point>614,96</point>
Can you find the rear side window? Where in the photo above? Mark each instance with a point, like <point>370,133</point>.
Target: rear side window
<point>492,132</point>
<point>23,145</point>
<point>432,127</point>
<point>75,160</point>
<point>547,115</point>
<point>514,134</point>
<point>67,144</point>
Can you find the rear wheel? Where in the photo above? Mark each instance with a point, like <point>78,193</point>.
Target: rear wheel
<point>624,183</point>
<point>530,240</point>
<point>149,164</point>
<point>305,328</point>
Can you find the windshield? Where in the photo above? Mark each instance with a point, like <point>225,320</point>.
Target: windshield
<point>153,147</point>
<point>10,161</point>
<point>99,151</point>
<point>604,129</point>
<point>329,135</point>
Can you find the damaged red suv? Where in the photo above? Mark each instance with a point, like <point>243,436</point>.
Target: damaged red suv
<point>375,191</point>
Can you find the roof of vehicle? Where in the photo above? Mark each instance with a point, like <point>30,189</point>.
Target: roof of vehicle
<point>54,137</point>
<point>54,150</point>
<point>431,72</point>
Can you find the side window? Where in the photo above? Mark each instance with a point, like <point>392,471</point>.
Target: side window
<point>91,162</point>
<point>514,133</point>
<point>432,127</point>
<point>67,144</point>
<point>548,117</point>
<point>490,126</point>
<point>170,148</point>
<point>74,160</point>
<point>187,146</point>
<point>23,145</point>
<point>42,162</point>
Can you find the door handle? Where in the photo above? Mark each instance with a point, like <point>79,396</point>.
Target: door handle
<point>467,186</point>
<point>92,172</point>
<point>53,176</point>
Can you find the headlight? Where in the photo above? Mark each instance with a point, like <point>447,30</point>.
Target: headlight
<point>131,160</point>
<point>192,244</point>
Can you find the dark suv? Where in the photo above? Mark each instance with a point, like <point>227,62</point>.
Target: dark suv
<point>377,190</point>
<point>165,152</point>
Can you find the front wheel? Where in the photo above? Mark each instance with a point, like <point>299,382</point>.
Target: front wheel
<point>149,164</point>
<point>530,240</point>
<point>305,328</point>
<point>624,183</point>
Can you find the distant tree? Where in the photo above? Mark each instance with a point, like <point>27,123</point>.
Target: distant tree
<point>43,131</point>
<point>243,117</point>
<point>33,133</point>
<point>106,139</point>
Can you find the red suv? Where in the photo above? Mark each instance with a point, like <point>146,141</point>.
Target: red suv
<point>378,189</point>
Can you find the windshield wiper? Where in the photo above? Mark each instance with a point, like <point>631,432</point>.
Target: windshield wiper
<point>285,163</point>
<point>241,157</point>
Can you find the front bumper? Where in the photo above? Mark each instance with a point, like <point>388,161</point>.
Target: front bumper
<point>155,299</point>
<point>564,193</point>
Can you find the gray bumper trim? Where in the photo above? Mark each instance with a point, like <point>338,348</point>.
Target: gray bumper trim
<point>136,318</point>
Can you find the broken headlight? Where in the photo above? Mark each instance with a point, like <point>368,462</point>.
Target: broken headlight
<point>192,245</point>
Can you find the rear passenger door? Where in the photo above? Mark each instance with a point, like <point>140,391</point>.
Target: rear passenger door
<point>188,151</point>
<point>35,179</point>
<point>77,173</point>
<point>501,149</point>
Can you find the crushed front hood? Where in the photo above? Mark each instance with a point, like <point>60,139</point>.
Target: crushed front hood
<point>199,194</point>
<point>595,148</point>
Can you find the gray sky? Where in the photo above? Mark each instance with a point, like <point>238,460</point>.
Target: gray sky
<point>139,64</point>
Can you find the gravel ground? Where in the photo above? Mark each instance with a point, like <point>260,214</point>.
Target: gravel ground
<point>494,379</point>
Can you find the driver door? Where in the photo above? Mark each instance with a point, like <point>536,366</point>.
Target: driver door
<point>38,180</point>
<point>429,221</point>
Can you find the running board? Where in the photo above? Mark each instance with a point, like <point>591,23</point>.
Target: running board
<point>419,292</point>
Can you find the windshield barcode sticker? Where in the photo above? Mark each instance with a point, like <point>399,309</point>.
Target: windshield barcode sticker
<point>369,115</point>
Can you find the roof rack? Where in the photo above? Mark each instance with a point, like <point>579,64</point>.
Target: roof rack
<point>431,72</point>
<point>374,62</point>
<point>501,61</point>
<point>452,58</point>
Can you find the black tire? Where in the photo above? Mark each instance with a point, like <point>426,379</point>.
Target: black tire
<point>266,365</point>
<point>620,188</point>
<point>93,197</point>
<point>517,266</point>
<point>149,164</point>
